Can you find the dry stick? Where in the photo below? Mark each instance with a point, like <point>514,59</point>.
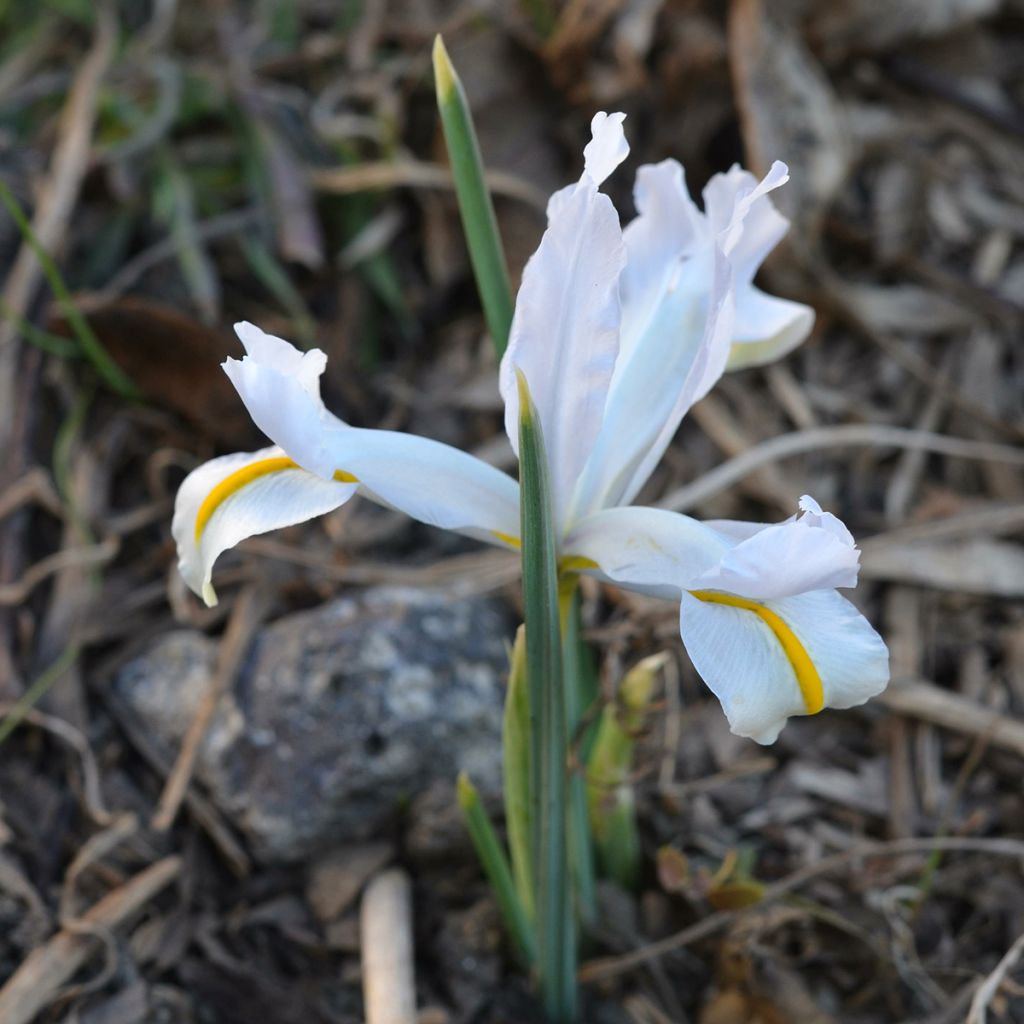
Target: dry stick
<point>414,174</point>
<point>385,925</point>
<point>918,698</point>
<point>34,984</point>
<point>611,966</point>
<point>245,617</point>
<point>56,202</point>
<point>853,434</point>
<point>978,1013</point>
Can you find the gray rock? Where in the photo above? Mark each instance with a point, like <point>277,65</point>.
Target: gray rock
<point>340,714</point>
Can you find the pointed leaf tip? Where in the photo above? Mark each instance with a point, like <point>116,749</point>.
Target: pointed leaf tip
<point>465,789</point>
<point>445,78</point>
<point>525,400</point>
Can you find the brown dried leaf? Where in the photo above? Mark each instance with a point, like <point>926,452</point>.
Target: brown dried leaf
<point>788,111</point>
<point>174,361</point>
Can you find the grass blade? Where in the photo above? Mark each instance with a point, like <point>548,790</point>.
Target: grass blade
<point>114,377</point>
<point>478,221</point>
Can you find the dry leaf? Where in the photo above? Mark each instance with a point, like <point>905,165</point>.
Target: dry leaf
<point>788,111</point>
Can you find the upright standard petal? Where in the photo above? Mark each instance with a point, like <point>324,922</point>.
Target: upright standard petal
<point>689,309</point>
<point>425,479</point>
<point>748,226</point>
<point>233,497</point>
<point>565,332</point>
<point>668,227</point>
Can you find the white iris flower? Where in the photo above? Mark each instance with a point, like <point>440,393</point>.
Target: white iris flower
<point>617,333</point>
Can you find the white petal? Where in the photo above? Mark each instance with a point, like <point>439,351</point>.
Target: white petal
<point>430,481</point>
<point>646,549</point>
<point>280,387</point>
<point>685,275</point>
<point>812,514</point>
<point>681,354</point>
<point>238,496</point>
<point>743,218</point>
<point>812,551</point>
<point>668,226</point>
<point>784,559</point>
<point>607,147</point>
<point>766,328</point>
<point>745,666</point>
<point>565,332</point>
<point>284,357</point>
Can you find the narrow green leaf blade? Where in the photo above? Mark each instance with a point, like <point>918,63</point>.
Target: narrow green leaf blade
<point>495,865</point>
<point>115,378</point>
<point>516,754</point>
<point>556,943</point>
<point>609,791</point>
<point>578,685</point>
<point>478,220</point>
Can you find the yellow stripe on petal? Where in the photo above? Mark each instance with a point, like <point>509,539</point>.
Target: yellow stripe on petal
<point>507,538</point>
<point>806,674</point>
<point>234,482</point>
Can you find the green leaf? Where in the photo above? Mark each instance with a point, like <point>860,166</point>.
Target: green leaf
<point>478,220</point>
<point>495,865</point>
<point>556,941</point>
<point>610,794</point>
<point>579,686</point>
<point>516,755</point>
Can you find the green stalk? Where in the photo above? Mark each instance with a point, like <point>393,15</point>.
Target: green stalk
<point>495,864</point>
<point>556,944</point>
<point>478,220</point>
<point>515,745</point>
<point>610,794</point>
<point>577,686</point>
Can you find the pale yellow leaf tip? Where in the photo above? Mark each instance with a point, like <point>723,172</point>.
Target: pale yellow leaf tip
<point>525,401</point>
<point>445,78</point>
<point>467,794</point>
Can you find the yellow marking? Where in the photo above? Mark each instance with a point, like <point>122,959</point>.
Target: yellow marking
<point>234,482</point>
<point>806,674</point>
<point>507,538</point>
<point>576,563</point>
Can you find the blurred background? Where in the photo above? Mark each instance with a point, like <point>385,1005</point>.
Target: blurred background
<point>239,773</point>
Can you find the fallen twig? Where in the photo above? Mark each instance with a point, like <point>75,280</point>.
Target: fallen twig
<point>978,1013</point>
<point>385,923</point>
<point>847,435</point>
<point>245,617</point>
<point>34,984</point>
